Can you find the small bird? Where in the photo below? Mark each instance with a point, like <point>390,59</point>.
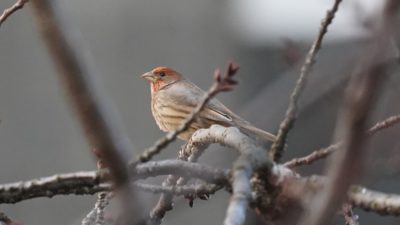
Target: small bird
<point>173,98</point>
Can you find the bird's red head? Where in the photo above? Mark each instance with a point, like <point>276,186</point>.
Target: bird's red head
<point>161,76</point>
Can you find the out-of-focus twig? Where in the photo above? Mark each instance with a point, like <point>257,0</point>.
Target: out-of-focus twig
<point>324,152</point>
<point>5,220</point>
<point>379,202</point>
<point>349,217</point>
<point>291,112</point>
<point>347,165</point>
<point>7,12</point>
<point>81,85</point>
<point>91,182</point>
<point>222,83</point>
<point>79,81</point>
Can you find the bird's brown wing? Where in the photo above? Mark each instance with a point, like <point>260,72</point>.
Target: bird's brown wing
<point>219,110</point>
<point>188,94</point>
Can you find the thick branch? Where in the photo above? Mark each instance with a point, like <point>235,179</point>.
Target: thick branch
<point>79,81</point>
<point>252,159</point>
<point>83,183</point>
<point>379,202</point>
<point>291,113</point>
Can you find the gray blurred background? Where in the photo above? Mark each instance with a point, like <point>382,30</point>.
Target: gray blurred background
<point>40,136</point>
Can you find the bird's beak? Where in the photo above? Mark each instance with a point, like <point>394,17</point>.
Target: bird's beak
<point>149,76</point>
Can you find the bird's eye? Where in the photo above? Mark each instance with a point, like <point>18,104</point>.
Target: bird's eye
<point>162,74</point>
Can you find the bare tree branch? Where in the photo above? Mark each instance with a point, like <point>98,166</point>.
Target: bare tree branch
<point>190,153</point>
<point>349,217</point>
<point>80,183</point>
<point>96,215</point>
<point>79,81</point>
<point>291,112</point>
<point>347,165</point>
<point>91,182</point>
<point>252,159</point>
<point>221,84</point>
<point>81,85</point>
<point>379,202</point>
<point>9,11</point>
<point>197,190</point>
<point>325,152</point>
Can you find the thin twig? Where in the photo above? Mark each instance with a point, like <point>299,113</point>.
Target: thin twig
<point>379,202</point>
<point>7,12</point>
<point>189,152</point>
<point>79,81</point>
<point>349,217</point>
<point>96,215</point>
<point>220,84</point>
<point>291,112</point>
<point>347,165</point>
<point>252,159</point>
<point>91,182</point>
<point>325,152</point>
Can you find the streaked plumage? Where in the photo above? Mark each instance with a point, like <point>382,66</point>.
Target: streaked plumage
<point>173,98</point>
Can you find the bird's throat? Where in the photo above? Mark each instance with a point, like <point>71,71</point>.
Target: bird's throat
<point>155,86</point>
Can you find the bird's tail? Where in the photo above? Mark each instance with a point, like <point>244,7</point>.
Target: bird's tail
<point>257,133</point>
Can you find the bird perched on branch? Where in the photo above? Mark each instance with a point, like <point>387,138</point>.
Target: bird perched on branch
<point>173,98</point>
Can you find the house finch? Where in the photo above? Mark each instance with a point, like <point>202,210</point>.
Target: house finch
<point>173,98</point>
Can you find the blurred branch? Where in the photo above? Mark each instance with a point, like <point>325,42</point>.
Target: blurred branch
<point>79,81</point>
<point>91,182</point>
<point>291,112</point>
<point>325,152</point>
<point>220,84</point>
<point>5,220</point>
<point>7,12</point>
<point>379,202</point>
<point>96,215</point>
<point>347,164</point>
